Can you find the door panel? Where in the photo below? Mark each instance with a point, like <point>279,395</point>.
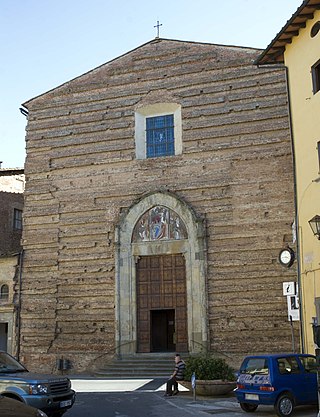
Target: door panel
<point>161,286</point>
<point>3,336</point>
<point>162,330</point>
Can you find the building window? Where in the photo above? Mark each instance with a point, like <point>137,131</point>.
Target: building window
<point>315,29</point>
<point>317,305</point>
<point>17,219</point>
<point>4,292</point>
<point>315,71</point>
<point>160,136</point>
<point>158,130</point>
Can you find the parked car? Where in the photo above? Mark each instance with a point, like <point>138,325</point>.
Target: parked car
<point>13,408</point>
<point>281,380</point>
<point>49,393</point>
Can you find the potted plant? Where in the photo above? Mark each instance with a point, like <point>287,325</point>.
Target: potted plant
<point>213,375</point>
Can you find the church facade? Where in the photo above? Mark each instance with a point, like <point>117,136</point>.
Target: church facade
<point>159,193</point>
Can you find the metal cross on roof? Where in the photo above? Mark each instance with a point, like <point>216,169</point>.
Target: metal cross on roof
<point>158,28</point>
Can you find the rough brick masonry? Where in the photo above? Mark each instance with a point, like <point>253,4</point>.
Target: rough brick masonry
<point>235,172</point>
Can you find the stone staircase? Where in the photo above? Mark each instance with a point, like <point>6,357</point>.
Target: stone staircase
<point>143,365</point>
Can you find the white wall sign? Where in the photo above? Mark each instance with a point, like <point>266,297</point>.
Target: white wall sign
<point>289,288</point>
<point>293,308</point>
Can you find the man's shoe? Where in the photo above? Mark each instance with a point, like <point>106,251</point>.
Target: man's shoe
<point>167,395</point>
<point>175,392</point>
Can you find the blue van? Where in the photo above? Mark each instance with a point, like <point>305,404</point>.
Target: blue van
<point>281,380</point>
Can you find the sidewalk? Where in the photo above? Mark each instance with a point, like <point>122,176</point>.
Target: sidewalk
<point>227,406</point>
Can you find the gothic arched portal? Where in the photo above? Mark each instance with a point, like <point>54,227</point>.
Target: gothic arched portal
<point>160,237</point>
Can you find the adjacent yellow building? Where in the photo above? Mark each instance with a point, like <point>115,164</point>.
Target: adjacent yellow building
<point>298,46</point>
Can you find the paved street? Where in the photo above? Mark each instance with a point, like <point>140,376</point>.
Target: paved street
<point>144,398</point>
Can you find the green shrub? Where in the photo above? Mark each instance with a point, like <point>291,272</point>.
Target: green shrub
<point>208,368</point>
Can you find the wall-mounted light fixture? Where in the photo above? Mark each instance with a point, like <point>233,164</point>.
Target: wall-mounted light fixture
<point>315,225</point>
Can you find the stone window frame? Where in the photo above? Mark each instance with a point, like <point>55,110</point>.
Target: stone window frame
<point>154,110</point>
<point>4,292</point>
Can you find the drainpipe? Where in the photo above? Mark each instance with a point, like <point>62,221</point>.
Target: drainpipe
<point>117,295</point>
<point>19,304</point>
<point>296,216</point>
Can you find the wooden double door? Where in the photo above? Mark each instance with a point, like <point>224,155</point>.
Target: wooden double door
<point>161,304</point>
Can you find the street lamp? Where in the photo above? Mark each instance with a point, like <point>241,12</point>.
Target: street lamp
<point>315,225</point>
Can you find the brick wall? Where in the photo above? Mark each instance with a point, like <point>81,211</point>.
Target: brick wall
<point>81,174</point>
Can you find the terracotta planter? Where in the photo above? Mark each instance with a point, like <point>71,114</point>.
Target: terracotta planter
<point>211,388</point>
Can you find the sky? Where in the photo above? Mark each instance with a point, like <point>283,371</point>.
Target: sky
<point>44,43</point>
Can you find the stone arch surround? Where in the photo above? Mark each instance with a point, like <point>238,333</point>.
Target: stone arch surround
<point>127,253</point>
